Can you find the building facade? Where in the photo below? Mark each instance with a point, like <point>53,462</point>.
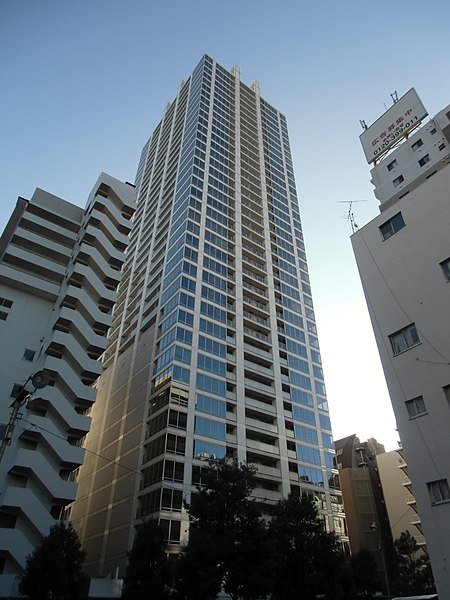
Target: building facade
<point>59,269</point>
<point>403,257</point>
<point>365,510</point>
<point>213,348</point>
<point>399,496</point>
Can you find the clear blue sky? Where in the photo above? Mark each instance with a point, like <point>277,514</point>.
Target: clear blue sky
<point>84,82</point>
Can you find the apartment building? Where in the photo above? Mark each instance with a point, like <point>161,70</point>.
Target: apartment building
<point>403,257</point>
<point>59,268</point>
<point>213,348</point>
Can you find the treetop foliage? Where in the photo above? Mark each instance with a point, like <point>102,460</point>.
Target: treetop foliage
<point>54,569</point>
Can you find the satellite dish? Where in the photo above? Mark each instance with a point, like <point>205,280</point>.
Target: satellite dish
<point>40,379</point>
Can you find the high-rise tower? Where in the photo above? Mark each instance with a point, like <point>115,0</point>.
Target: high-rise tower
<point>213,347</point>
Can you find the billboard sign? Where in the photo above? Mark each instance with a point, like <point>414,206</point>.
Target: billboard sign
<point>406,114</point>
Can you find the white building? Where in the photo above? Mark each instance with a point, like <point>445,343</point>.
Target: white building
<point>213,347</point>
<point>403,257</point>
<point>59,269</point>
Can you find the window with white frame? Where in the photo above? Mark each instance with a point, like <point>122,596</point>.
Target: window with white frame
<point>404,338</point>
<point>398,180</point>
<point>416,407</point>
<point>439,491</point>
<point>445,266</point>
<point>392,226</point>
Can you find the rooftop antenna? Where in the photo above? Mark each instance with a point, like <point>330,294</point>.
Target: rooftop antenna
<point>394,97</point>
<point>350,215</point>
<point>363,124</point>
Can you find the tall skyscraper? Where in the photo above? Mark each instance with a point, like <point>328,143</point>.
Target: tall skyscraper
<point>213,348</point>
<point>59,270</point>
<point>403,257</point>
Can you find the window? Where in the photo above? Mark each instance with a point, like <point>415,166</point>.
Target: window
<point>310,475</point>
<point>439,491</point>
<point>305,434</point>
<point>398,180</point>
<point>177,419</point>
<point>171,499</point>
<point>173,471</point>
<point>423,161</point>
<point>16,389</point>
<point>446,390</point>
<point>392,226</point>
<point>3,315</point>
<point>210,429</point>
<point>302,414</point>
<point>6,303</point>
<point>308,455</point>
<point>416,407</point>
<point>29,354</point>
<point>441,146</point>
<point>416,145</point>
<point>392,165</point>
<point>433,131</point>
<point>171,530</point>
<point>445,266</point>
<point>207,450</point>
<point>404,338</point>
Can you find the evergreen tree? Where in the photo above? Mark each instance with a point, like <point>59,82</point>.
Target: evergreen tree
<point>227,537</point>
<point>364,569</point>
<point>54,569</point>
<point>307,560</point>
<point>412,572</point>
<point>147,573</point>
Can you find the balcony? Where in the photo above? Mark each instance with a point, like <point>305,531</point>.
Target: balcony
<point>257,334</point>
<point>263,447</point>
<point>415,519</point>
<point>254,289</point>
<point>259,404</point>
<point>263,425</point>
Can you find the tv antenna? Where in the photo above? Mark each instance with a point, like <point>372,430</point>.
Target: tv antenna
<point>350,215</point>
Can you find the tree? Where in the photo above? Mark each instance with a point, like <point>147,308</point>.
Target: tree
<point>412,572</point>
<point>147,571</point>
<point>305,556</point>
<point>227,537</point>
<point>364,570</point>
<point>54,569</point>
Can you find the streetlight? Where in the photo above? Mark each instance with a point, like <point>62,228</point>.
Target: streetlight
<point>374,527</point>
<point>39,380</point>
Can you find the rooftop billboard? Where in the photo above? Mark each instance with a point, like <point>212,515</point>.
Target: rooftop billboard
<point>404,115</point>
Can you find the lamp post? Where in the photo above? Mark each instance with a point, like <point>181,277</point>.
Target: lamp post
<point>375,529</point>
<point>39,380</point>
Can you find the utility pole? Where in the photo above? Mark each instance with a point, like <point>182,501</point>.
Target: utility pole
<point>39,380</point>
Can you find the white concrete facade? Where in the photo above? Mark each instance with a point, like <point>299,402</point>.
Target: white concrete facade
<point>403,257</point>
<point>59,269</point>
